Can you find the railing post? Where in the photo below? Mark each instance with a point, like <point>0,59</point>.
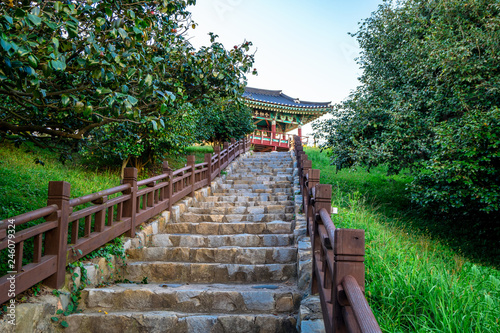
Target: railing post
<point>208,160</point>
<point>349,254</point>
<point>129,206</point>
<point>322,199</point>
<point>233,142</point>
<point>313,180</point>
<point>166,169</point>
<point>191,159</point>
<point>225,146</point>
<point>56,240</point>
<point>217,153</point>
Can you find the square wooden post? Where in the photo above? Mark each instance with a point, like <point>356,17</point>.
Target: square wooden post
<point>233,145</point>
<point>314,175</point>
<point>217,153</point>
<point>190,161</point>
<point>56,240</point>
<point>208,160</point>
<point>166,169</point>
<point>322,199</point>
<point>349,254</point>
<point>130,206</point>
<point>225,146</point>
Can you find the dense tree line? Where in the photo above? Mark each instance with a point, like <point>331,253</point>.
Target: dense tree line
<point>428,103</point>
<point>116,79</point>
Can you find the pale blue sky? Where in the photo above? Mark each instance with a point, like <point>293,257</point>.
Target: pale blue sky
<point>302,46</point>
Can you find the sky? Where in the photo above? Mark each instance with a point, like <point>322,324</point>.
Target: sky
<point>302,47</point>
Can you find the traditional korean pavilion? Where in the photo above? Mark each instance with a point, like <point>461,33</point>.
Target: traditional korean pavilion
<point>275,114</point>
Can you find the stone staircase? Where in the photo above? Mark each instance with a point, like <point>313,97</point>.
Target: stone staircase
<point>228,264</point>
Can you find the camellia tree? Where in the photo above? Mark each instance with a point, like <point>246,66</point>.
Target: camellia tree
<point>428,103</point>
<point>70,68</point>
<point>224,119</point>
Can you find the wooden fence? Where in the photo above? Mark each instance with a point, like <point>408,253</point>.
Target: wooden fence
<point>338,257</point>
<point>59,239</point>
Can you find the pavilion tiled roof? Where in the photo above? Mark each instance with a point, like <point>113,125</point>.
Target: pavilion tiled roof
<point>276,100</point>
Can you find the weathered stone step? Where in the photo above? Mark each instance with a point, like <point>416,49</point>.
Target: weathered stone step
<point>172,322</point>
<point>196,241</point>
<point>194,298</point>
<point>215,203</point>
<point>250,192</point>
<point>246,179</point>
<point>242,210</point>
<point>213,228</point>
<point>230,218</point>
<point>224,255</point>
<point>254,185</point>
<point>223,197</point>
<point>174,272</point>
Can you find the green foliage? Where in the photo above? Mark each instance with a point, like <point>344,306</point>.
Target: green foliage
<point>416,280</point>
<point>68,69</point>
<point>122,144</point>
<point>428,103</point>
<point>224,120</point>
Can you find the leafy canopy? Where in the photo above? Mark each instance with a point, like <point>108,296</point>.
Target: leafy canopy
<point>428,102</point>
<point>68,68</point>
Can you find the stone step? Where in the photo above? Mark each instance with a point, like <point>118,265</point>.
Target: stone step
<point>175,272</point>
<point>197,241</point>
<point>194,298</point>
<point>250,192</point>
<point>224,255</point>
<point>213,228</point>
<point>242,210</point>
<point>215,203</point>
<point>246,179</point>
<point>255,185</point>
<point>172,322</point>
<point>230,218</point>
<point>224,197</point>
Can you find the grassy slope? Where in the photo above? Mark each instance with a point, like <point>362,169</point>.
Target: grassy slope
<point>414,283</point>
<point>23,184</point>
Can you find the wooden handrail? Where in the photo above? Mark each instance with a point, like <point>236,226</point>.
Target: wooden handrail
<point>29,216</point>
<point>94,196</point>
<point>362,312</point>
<point>109,218</point>
<point>338,255</point>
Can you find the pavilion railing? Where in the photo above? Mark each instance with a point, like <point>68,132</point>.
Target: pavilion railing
<point>72,228</point>
<point>338,257</point>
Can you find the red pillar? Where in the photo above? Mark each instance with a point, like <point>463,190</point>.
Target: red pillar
<point>273,134</point>
<point>300,132</point>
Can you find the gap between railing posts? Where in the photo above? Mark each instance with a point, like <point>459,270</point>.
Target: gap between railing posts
<point>338,272</point>
<point>131,204</point>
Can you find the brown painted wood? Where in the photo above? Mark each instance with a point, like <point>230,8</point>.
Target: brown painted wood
<point>96,240</point>
<point>29,216</point>
<point>31,232</point>
<point>37,248</point>
<point>362,312</point>
<point>130,206</point>
<point>56,239</point>
<point>95,196</point>
<point>191,160</point>
<point>32,274</point>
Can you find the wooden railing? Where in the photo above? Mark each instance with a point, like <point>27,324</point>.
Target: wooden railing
<point>338,257</point>
<point>69,231</point>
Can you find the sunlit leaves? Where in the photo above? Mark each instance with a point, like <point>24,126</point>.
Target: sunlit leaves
<point>108,61</point>
<point>429,84</point>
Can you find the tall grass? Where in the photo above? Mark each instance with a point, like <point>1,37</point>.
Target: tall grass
<point>24,184</point>
<point>415,283</point>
